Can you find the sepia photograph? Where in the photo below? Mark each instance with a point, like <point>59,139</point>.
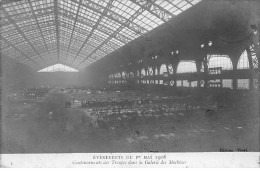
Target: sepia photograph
<point>129,83</point>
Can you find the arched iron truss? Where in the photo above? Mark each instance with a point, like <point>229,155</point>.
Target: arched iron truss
<point>77,33</point>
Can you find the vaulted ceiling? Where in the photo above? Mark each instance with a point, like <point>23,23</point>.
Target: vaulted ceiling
<point>77,33</point>
<point>226,23</point>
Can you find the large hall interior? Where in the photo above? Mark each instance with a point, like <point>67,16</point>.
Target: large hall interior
<point>107,76</point>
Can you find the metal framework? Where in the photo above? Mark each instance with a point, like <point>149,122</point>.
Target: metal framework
<point>77,33</point>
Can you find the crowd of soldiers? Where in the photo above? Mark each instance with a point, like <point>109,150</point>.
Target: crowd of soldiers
<point>126,112</point>
<point>36,92</point>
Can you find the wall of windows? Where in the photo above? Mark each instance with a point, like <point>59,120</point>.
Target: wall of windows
<point>216,64</point>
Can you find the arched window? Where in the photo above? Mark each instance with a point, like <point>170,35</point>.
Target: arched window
<point>143,72</point>
<point>186,67</point>
<point>163,69</point>
<point>243,62</point>
<point>222,61</point>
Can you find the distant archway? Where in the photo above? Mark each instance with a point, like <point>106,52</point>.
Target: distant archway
<point>58,68</point>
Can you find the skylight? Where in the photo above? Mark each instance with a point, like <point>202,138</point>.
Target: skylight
<point>78,32</point>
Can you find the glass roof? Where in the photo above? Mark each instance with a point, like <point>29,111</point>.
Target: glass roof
<point>58,68</point>
<point>77,33</point>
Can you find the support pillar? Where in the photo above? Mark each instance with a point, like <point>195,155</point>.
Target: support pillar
<point>206,71</point>
<point>198,65</point>
<point>234,76</point>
